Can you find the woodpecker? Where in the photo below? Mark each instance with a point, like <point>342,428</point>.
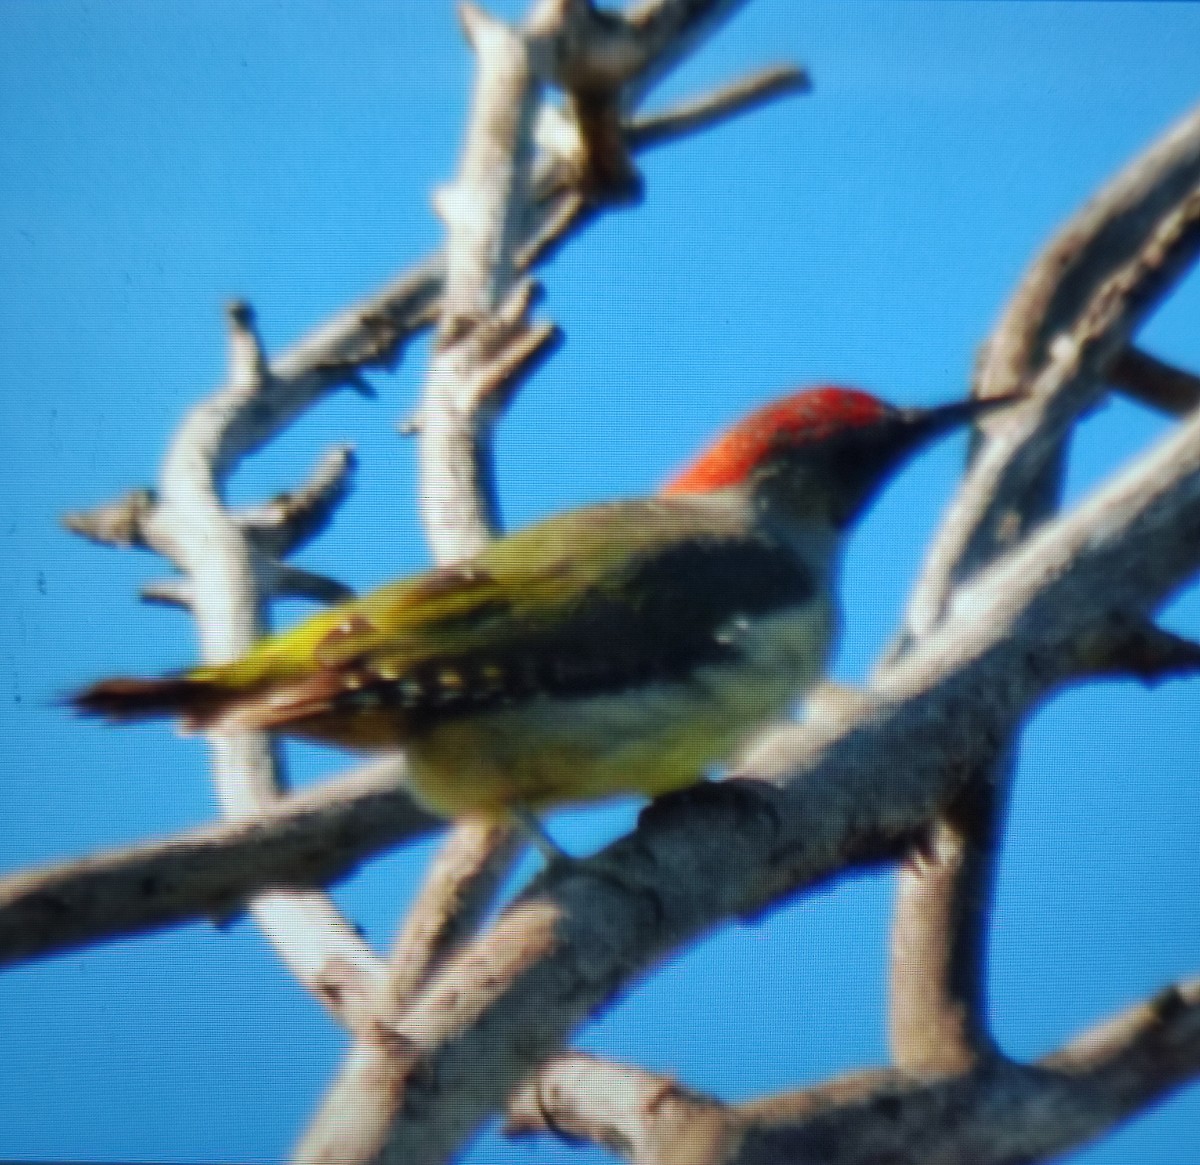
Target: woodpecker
<point>624,647</point>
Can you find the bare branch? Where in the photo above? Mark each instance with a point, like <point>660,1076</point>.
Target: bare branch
<point>122,523</point>
<point>565,215</point>
<point>1090,287</point>
<point>275,529</point>
<point>222,573</point>
<point>370,334</point>
<point>997,1114</point>
<point>605,62</point>
<point>731,100</point>
<point>1155,383</point>
<point>992,1115</point>
<point>1138,648</point>
<point>189,525</point>
<point>305,840</point>
<point>247,358</point>
<point>1074,313</point>
<point>484,211</point>
<point>292,520</point>
<point>592,147</point>
<point>169,592</point>
<point>282,580</point>
<point>458,891</point>
<point>646,1118</point>
<point>937,1012</point>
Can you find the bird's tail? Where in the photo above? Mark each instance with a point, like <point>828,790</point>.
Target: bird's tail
<point>198,701</point>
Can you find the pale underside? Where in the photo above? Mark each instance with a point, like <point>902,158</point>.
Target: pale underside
<point>663,737</point>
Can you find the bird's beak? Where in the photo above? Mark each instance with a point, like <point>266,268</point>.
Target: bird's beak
<point>878,451</point>
<point>919,426</point>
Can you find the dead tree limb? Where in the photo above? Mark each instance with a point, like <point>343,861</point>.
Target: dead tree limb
<point>993,1114</point>
<point>303,841</point>
<point>191,527</point>
<point>1068,325</point>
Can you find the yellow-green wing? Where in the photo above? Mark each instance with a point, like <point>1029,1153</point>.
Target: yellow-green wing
<point>592,601</point>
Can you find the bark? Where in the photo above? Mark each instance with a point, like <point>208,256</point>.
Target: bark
<point>993,1114</point>
<point>303,841</point>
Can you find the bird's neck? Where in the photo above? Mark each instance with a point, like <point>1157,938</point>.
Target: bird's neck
<point>810,536</point>
<point>797,520</point>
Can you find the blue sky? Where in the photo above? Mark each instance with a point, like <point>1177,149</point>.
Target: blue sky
<point>159,159</point>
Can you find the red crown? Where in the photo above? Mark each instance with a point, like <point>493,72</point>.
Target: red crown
<point>809,416</point>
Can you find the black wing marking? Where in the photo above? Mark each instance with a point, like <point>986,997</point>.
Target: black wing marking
<point>669,613</point>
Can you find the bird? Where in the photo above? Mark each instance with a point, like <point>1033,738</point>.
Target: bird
<point>626,647</point>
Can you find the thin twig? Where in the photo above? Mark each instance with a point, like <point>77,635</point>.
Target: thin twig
<point>292,520</point>
<point>458,890</point>
<point>731,100</point>
<point>1155,383</point>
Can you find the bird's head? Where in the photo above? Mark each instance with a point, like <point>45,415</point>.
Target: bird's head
<point>821,453</point>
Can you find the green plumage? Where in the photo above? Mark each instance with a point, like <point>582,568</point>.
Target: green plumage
<point>562,655</point>
<point>587,602</point>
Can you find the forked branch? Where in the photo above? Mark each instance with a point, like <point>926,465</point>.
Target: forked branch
<point>1066,329</point>
<point>991,1115</point>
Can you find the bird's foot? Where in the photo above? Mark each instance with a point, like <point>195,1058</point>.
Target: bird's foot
<point>535,833</point>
